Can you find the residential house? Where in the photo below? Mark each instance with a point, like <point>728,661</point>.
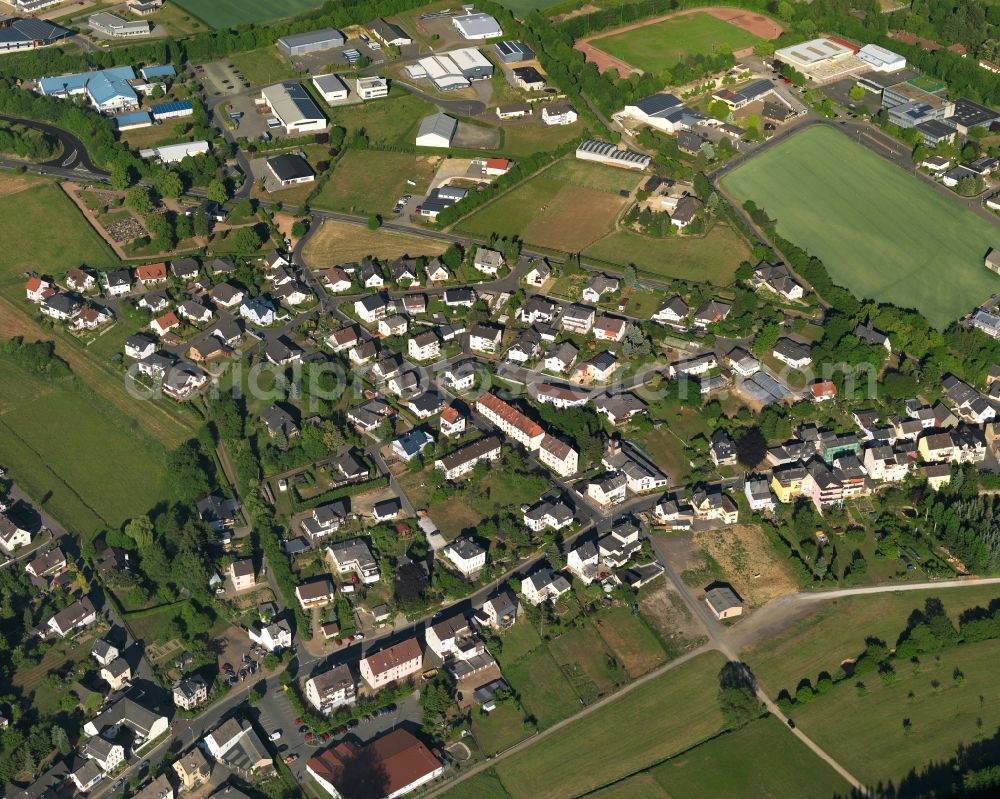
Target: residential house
<point>741,362</point>
<point>511,421</point>
<point>315,593</point>
<point>37,289</point>
<point>150,275</point>
<point>190,692</point>
<point>498,613</point>
<point>324,519</point>
<point>424,346</point>
<point>868,334</point>
<point>412,444</point>
<point>546,514</point>
<point>139,346</point>
<point>577,319</point>
<point>459,298</point>
<point>465,555</point>
<point>393,664</point>
<point>395,325</point>
<point>107,754</point>
<point>544,585</point>
<point>274,637</point>
<point>777,279</point>
<point>185,269</point>
<point>226,295</point>
<point>164,324</point>
<point>583,561</point>
<point>787,483</point>
<point>49,564</point>
<point>372,308</point>
<point>331,689</point>
<point>242,573</point>
<point>258,310</point>
<point>370,274</point>
<point>722,448</point>
<point>560,358</point>
<point>758,494</point>
<point>116,674</point>
<point>12,535</point>
<point>354,555</point>
<point>77,280</point>
<point>598,286</point>
<point>526,347</point>
<point>557,455</point>
<point>537,309</point>
<point>193,769</point>
<point>711,312</point>
<point>693,367</point>
<point>598,369</point>
<point>464,460</point>
<point>75,617</point>
<point>539,272</point>
<point>453,638</point>
<point>61,307</point>
<point>485,338</point>
<point>437,272</point>
<point>279,422</point>
<point>452,422</point>
<point>674,311</point>
<point>723,602</point>
<point>570,397</point>
<point>609,328</point>
<point>792,353</point>
<point>344,338</point>
<point>487,261</point>
<point>618,546</point>
<point>118,282</point>
<point>195,312</point>
<point>607,490</point>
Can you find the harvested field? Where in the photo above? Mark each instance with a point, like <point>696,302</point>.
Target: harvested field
<point>574,219</point>
<point>340,242</point>
<point>748,562</point>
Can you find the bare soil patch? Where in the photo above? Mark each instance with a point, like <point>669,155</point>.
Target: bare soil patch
<point>748,563</point>
<point>340,242</point>
<point>665,610</point>
<point>12,183</point>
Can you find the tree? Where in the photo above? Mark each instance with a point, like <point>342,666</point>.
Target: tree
<point>374,222</point>
<point>122,176</point>
<point>138,200</point>
<point>140,530</point>
<point>751,448</point>
<point>738,696</point>
<point>216,192</point>
<point>718,109</point>
<point>169,184</point>
<point>246,240</point>
<point>857,93</point>
<point>182,227</point>
<point>60,740</point>
<point>299,228</point>
<point>200,223</point>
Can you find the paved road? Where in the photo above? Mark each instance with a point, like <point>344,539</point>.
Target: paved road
<point>74,155</point>
<point>462,108</point>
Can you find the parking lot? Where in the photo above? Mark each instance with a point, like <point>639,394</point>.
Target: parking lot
<point>277,714</point>
<point>253,123</point>
<point>221,79</point>
<point>242,655</point>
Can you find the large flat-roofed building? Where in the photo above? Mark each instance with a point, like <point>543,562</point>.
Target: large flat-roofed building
<point>739,98</point>
<point>118,28</point>
<point>514,52</point>
<point>310,42</point>
<point>664,112</point>
<point>906,92</point>
<point>878,59</point>
<point>820,60</point>
<point>472,63</point>
<point>605,153</point>
<point>294,108</point>
<point>476,25</point>
<point>331,87</point>
<point>440,70</point>
<point>967,115</point>
<point>174,153</point>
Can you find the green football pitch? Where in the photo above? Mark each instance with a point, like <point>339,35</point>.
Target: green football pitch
<point>661,45</point>
<point>883,233</point>
<point>226,13</point>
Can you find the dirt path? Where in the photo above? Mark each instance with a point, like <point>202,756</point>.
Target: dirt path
<point>756,24</point>
<point>104,381</point>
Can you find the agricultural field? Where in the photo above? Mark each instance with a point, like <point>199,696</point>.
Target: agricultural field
<point>521,8</point>
<point>483,786</point>
<point>52,433</point>
<point>921,719</point>
<point>41,206</point>
<point>370,182</point>
<point>833,631</point>
<point>543,689</point>
<point>713,258</point>
<point>340,242</point>
<point>852,209</point>
<point>761,760</point>
<point>226,13</point>
<point>629,734</point>
<point>661,45</point>
<point>566,208</point>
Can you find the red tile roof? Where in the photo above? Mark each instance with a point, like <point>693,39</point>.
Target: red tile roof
<point>824,388</point>
<point>383,767</point>
<point>33,284</point>
<point>497,163</point>
<point>151,272</point>
<point>389,658</point>
<point>450,414</point>
<point>509,414</point>
<point>168,320</point>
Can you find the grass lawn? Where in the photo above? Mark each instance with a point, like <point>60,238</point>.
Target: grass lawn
<point>659,46</point>
<point>944,713</point>
<point>518,641</point>
<point>41,207</point>
<point>262,66</point>
<point>500,729</point>
<point>636,648</point>
<point>544,691</point>
<point>837,630</point>
<point>339,242</point>
<point>522,140</point>
<point>761,760</point>
<point>583,658</point>
<point>567,207</point>
<point>522,8</point>
<point>224,13</point>
<point>393,120</point>
<point>483,786</point>
<point>852,209</point>
<point>370,182</point>
<point>713,258</point>
<point>667,715</point>
<point>69,450</point>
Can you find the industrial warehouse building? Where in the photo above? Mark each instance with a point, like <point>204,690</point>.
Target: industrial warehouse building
<point>878,59</point>
<point>605,153</point>
<point>513,52</point>
<point>664,112</point>
<point>437,130</point>
<point>311,42</point>
<point>330,87</point>
<point>174,153</point>
<point>118,28</point>
<point>27,34</point>
<point>475,25</point>
<point>294,108</point>
<point>389,33</point>
<point>821,60</point>
<point>453,70</point>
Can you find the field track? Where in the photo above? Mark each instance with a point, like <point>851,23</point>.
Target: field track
<point>756,24</point>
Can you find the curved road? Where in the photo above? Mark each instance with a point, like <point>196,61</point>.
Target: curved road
<point>74,155</point>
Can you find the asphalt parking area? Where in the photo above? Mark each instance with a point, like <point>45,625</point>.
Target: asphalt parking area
<point>219,78</point>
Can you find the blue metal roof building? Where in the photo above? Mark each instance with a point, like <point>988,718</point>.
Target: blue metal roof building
<point>158,71</point>
<point>180,108</point>
<point>136,119</point>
